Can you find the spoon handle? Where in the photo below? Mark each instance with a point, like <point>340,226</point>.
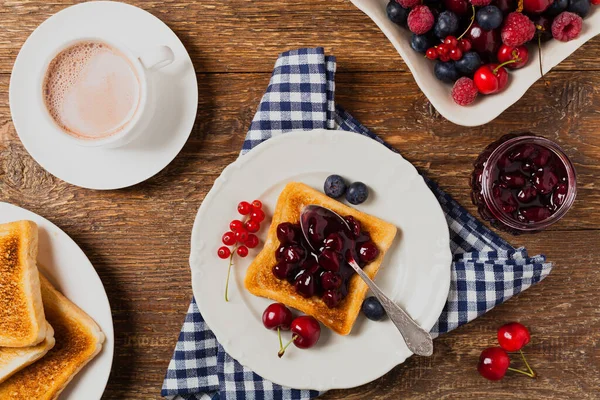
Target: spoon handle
<point>417,339</point>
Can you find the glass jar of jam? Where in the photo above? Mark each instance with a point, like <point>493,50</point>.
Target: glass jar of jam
<point>523,183</point>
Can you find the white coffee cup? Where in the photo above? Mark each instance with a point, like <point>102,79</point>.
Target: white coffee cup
<point>147,61</point>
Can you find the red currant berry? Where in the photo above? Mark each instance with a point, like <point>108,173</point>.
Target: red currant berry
<point>224,252</point>
<point>241,236</point>
<point>451,41</point>
<point>432,53</point>
<point>465,45</point>
<point>443,49</point>
<point>257,215</point>
<point>252,226</point>
<point>229,238</point>
<point>257,204</point>
<point>244,208</point>
<point>456,54</point>
<point>236,225</point>
<point>242,251</point>
<point>513,336</point>
<point>252,241</point>
<point>493,363</point>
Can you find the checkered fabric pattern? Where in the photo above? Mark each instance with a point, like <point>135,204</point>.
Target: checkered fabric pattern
<point>486,270</point>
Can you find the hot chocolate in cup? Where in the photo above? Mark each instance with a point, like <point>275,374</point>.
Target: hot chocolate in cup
<point>96,92</point>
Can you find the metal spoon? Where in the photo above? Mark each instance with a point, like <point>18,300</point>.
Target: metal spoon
<point>417,339</point>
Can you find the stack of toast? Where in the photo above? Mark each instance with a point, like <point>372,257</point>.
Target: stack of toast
<point>45,340</point>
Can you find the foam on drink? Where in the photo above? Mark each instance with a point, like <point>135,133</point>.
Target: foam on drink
<point>91,90</point>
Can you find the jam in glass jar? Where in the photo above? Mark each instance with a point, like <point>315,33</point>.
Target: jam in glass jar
<point>523,183</point>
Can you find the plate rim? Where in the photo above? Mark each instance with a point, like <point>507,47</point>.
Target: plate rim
<point>238,163</point>
<point>107,330</point>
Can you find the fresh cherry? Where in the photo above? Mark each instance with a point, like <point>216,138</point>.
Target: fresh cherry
<point>513,336</point>
<point>244,208</point>
<point>306,332</point>
<point>223,252</point>
<point>520,54</point>
<point>229,238</point>
<point>458,7</point>
<point>491,78</point>
<point>493,363</point>
<point>277,316</point>
<point>484,42</point>
<point>536,6</point>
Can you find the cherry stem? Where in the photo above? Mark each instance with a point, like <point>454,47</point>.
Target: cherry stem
<point>521,372</point>
<point>470,24</point>
<point>526,363</point>
<point>229,273</point>
<point>280,342</point>
<point>495,70</point>
<point>282,351</point>
<point>540,50</point>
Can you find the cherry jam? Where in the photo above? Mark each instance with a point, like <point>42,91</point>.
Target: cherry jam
<point>325,272</point>
<point>523,183</point>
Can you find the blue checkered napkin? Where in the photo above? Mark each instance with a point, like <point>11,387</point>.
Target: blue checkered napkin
<point>485,271</point>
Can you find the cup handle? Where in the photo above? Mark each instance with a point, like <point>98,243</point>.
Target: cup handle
<point>157,58</point>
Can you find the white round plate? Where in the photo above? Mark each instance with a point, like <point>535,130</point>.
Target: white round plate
<point>415,272</point>
<point>67,267</point>
<point>176,98</point>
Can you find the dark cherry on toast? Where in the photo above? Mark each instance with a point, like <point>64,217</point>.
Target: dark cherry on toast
<point>324,272</point>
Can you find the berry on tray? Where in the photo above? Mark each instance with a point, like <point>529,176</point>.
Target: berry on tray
<point>373,309</point>
<point>491,78</point>
<point>446,71</point>
<point>579,7</point>
<point>489,17</point>
<point>481,3</point>
<point>420,20</point>
<point>520,54</point>
<point>420,43</point>
<point>468,64</point>
<point>518,29</point>
<point>357,193</point>
<point>567,26</point>
<point>464,91</point>
<point>447,24</point>
<point>396,13</point>
<point>536,6</point>
<point>556,8</point>
<point>335,186</point>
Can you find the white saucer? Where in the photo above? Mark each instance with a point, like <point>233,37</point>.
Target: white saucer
<point>176,100</point>
<point>415,272</point>
<point>67,267</point>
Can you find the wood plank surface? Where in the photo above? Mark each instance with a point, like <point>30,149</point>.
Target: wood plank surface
<point>138,238</point>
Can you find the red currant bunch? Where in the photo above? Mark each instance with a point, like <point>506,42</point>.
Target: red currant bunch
<point>450,49</point>
<point>241,235</point>
<point>494,362</point>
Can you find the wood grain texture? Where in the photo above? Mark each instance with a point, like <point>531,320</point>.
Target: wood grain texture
<point>138,238</point>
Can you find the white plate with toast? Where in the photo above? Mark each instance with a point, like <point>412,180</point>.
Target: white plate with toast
<point>415,271</point>
<point>75,305</point>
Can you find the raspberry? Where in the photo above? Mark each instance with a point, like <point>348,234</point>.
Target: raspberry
<point>595,2</point>
<point>420,20</point>
<point>408,3</point>
<point>517,29</point>
<point>567,26</point>
<point>464,91</point>
<point>481,3</point>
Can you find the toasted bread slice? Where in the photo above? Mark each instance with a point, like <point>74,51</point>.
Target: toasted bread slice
<point>22,321</point>
<point>14,359</point>
<point>78,340</point>
<point>260,280</point>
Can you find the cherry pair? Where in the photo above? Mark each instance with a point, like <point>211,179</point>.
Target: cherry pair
<point>306,330</point>
<point>494,362</point>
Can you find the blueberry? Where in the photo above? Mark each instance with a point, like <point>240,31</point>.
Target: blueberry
<point>373,309</point>
<point>357,193</point>
<point>446,71</point>
<point>557,7</point>
<point>579,7</point>
<point>421,43</point>
<point>335,186</point>
<point>489,17</point>
<point>396,13</point>
<point>468,64</point>
<point>446,25</point>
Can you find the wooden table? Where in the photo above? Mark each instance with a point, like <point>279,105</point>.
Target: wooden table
<point>138,238</point>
